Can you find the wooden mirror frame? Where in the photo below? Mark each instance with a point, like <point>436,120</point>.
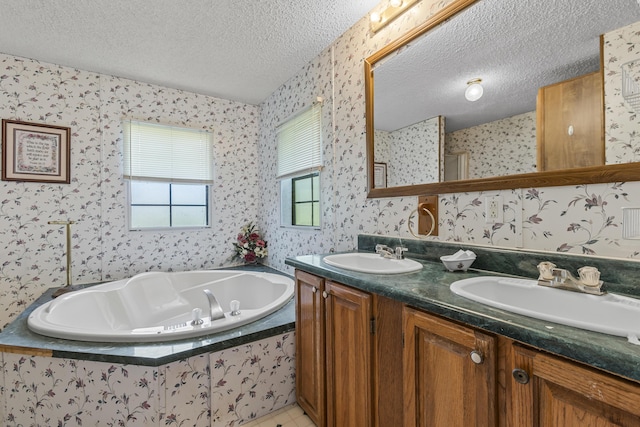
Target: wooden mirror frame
<point>589,175</point>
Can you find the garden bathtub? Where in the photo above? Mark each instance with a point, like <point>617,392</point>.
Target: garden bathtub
<point>161,306</point>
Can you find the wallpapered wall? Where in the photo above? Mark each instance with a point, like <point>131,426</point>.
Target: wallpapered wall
<point>93,105</point>
<point>501,147</point>
<point>222,389</point>
<point>581,219</point>
<point>584,219</point>
<point>411,153</point>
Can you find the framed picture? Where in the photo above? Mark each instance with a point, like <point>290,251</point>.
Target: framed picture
<point>379,175</point>
<point>35,152</point>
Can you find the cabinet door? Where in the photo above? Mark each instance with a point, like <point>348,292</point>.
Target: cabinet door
<point>310,346</point>
<point>570,125</point>
<point>349,350</point>
<point>548,391</point>
<point>450,373</point>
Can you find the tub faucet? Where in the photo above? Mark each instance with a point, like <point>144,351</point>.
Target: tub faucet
<point>560,278</point>
<point>386,252</point>
<point>215,311</point>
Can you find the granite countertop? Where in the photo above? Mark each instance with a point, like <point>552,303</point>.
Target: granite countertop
<point>17,334</point>
<point>428,289</point>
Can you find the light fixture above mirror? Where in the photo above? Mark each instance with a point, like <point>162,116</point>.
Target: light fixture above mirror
<point>387,12</point>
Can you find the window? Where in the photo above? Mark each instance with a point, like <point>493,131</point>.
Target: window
<point>299,147</point>
<point>169,171</point>
<point>306,200</point>
<point>159,204</point>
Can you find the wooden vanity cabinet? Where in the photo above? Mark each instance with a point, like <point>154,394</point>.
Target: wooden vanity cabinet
<point>549,391</point>
<point>348,355</point>
<point>450,373</point>
<point>365,360</point>
<point>310,346</point>
<point>570,123</point>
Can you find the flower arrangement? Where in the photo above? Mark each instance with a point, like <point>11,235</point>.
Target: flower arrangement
<point>249,245</point>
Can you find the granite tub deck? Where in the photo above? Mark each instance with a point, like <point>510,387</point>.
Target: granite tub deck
<point>18,338</point>
<point>428,289</point>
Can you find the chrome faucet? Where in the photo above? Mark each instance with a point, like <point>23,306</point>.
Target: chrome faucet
<point>386,252</point>
<point>560,278</point>
<point>215,311</point>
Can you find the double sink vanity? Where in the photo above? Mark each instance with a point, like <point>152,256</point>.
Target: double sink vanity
<point>431,347</point>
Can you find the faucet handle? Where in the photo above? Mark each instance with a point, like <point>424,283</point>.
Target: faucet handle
<point>383,250</point>
<point>590,276</point>
<point>546,270</point>
<point>400,252</point>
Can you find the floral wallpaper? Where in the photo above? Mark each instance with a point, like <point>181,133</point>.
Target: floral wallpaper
<point>253,380</point>
<point>622,123</point>
<point>502,147</point>
<point>222,389</point>
<point>93,106</point>
<point>412,153</point>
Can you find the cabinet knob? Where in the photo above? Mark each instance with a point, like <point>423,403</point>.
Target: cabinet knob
<point>520,375</point>
<point>314,289</point>
<point>325,294</point>
<point>476,357</point>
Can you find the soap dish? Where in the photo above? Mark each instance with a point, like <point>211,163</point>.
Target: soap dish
<point>461,260</point>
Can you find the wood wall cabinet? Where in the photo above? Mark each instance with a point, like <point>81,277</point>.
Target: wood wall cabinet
<point>570,124</point>
<point>450,373</point>
<point>348,355</point>
<point>550,391</point>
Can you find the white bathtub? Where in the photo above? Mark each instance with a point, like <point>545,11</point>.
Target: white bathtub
<point>160,306</point>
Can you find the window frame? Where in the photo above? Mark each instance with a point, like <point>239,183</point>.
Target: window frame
<point>209,210</point>
<point>286,202</point>
<point>310,176</point>
<point>168,155</point>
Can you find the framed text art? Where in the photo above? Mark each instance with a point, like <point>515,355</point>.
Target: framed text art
<point>35,152</point>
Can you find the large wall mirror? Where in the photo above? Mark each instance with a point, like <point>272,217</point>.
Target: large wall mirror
<point>427,138</point>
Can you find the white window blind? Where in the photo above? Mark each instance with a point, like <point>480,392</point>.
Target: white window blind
<point>154,152</point>
<point>299,142</point>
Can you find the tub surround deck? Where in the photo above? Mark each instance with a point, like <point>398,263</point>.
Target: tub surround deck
<point>17,338</point>
<point>428,289</point>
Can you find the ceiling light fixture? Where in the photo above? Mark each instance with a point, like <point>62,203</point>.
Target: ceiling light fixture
<point>474,90</point>
<point>394,8</point>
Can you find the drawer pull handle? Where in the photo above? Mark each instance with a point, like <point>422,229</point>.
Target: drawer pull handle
<point>325,294</point>
<point>476,357</point>
<point>520,375</point>
<point>314,289</point>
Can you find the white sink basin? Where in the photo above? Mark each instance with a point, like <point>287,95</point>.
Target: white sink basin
<point>372,263</point>
<point>610,314</point>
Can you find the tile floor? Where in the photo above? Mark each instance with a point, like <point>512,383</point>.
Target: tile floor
<point>289,416</point>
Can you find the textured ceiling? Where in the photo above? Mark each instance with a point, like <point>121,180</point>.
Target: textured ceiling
<point>514,46</point>
<point>234,49</point>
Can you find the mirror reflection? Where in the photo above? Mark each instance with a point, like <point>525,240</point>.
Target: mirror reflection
<point>540,50</point>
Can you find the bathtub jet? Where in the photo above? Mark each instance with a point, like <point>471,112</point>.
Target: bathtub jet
<point>152,307</point>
